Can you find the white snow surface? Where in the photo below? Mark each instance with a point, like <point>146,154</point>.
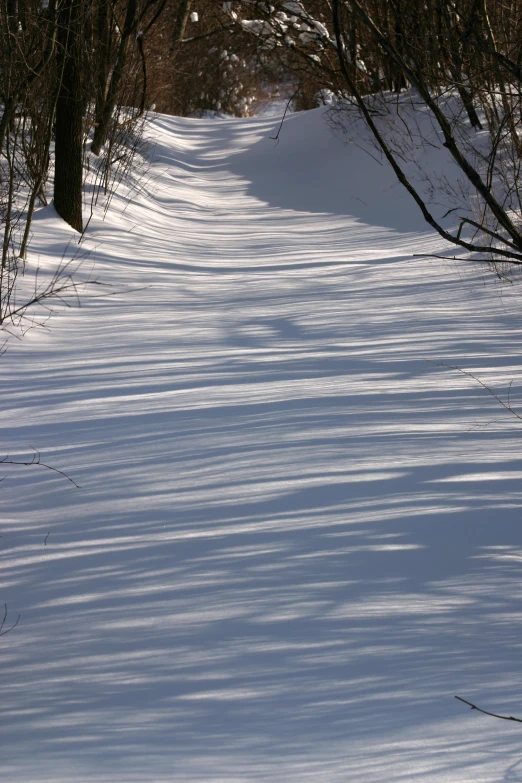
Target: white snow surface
<point>296,537</point>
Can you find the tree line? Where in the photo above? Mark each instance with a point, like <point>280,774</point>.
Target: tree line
<point>79,76</point>
<point>458,61</point>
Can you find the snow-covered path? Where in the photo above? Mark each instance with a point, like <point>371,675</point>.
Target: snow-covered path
<point>296,538</point>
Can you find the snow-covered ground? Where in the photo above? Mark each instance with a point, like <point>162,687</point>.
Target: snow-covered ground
<point>296,537</point>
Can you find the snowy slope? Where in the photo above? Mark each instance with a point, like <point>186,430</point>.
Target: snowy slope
<point>296,538</point>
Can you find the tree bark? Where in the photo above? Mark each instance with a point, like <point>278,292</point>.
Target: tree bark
<point>68,175</point>
<point>105,115</point>
<point>102,57</point>
<point>181,22</point>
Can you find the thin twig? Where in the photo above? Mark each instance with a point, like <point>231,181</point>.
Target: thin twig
<point>276,137</point>
<point>492,714</point>
<point>37,460</point>
<point>2,623</point>
<point>505,405</point>
<point>434,255</point>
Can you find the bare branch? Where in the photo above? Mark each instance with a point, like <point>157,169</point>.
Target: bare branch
<point>3,630</point>
<point>505,405</point>
<point>276,137</point>
<point>36,459</point>
<point>492,714</point>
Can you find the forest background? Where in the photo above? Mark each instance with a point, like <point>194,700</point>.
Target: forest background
<point>78,78</point>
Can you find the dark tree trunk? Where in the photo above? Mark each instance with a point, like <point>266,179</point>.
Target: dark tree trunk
<point>456,64</point>
<point>68,175</point>
<point>5,120</point>
<point>102,59</point>
<point>105,115</point>
<point>181,22</point>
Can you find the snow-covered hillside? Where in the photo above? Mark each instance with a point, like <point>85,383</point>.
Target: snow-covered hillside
<point>296,537</point>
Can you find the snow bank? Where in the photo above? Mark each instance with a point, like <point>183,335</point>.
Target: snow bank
<point>296,538</point>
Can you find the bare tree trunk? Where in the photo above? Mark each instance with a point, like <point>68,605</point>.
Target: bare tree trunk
<point>68,175</point>
<point>455,63</point>
<point>102,58</point>
<point>9,106</point>
<point>104,119</point>
<point>181,22</point>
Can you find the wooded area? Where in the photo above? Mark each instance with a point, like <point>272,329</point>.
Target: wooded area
<point>78,77</point>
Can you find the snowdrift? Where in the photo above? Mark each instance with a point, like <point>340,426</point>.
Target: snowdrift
<point>297,536</point>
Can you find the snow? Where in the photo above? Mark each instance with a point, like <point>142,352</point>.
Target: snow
<point>297,536</point>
